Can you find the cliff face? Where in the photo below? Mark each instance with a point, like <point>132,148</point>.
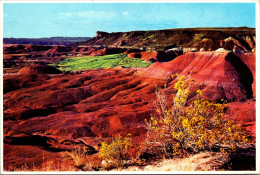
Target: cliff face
<point>240,39</point>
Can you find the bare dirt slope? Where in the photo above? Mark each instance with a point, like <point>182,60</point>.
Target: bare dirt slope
<point>54,112</point>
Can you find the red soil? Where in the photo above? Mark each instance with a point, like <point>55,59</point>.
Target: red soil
<point>221,75</point>
<point>13,49</point>
<point>131,51</point>
<point>134,55</point>
<point>107,51</point>
<point>39,69</point>
<point>245,113</point>
<point>49,51</point>
<point>250,60</point>
<point>96,104</point>
<point>153,56</point>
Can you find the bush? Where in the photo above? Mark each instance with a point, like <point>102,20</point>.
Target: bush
<point>181,129</point>
<point>117,153</point>
<point>78,155</point>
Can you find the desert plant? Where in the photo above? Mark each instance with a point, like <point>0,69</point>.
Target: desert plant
<point>117,153</point>
<point>182,128</point>
<point>93,162</point>
<point>45,166</point>
<point>78,155</point>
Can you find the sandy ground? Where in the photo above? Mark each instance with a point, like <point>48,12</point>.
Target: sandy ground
<point>206,161</point>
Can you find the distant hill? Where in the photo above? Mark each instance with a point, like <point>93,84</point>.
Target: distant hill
<point>191,38</point>
<point>45,41</point>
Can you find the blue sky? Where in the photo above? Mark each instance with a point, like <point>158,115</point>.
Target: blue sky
<point>34,20</point>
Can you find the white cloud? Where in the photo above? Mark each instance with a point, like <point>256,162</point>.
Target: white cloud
<point>97,15</point>
<point>64,15</point>
<point>125,13</point>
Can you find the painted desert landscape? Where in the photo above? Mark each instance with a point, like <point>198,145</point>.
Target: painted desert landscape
<point>180,99</point>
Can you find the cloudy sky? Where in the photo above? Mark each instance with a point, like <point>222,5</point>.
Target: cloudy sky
<point>34,20</point>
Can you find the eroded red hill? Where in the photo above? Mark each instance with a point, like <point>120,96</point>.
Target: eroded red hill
<point>154,56</point>
<point>222,75</point>
<point>94,105</point>
<point>39,69</point>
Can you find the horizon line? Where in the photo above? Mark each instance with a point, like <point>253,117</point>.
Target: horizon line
<point>131,31</point>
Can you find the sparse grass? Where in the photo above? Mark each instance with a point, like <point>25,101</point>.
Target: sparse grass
<point>78,155</point>
<point>82,160</point>
<point>94,162</point>
<point>107,61</point>
<point>46,166</point>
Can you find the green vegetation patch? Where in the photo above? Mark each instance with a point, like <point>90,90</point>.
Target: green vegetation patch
<point>107,61</point>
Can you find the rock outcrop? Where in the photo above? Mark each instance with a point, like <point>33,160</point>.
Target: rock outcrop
<point>199,39</point>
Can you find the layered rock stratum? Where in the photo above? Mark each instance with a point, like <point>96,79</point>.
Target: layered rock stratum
<point>190,39</point>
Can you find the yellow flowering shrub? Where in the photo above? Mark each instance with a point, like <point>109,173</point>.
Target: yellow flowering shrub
<point>199,126</point>
<point>116,153</point>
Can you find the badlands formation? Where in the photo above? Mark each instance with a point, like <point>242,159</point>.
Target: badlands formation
<point>47,111</point>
